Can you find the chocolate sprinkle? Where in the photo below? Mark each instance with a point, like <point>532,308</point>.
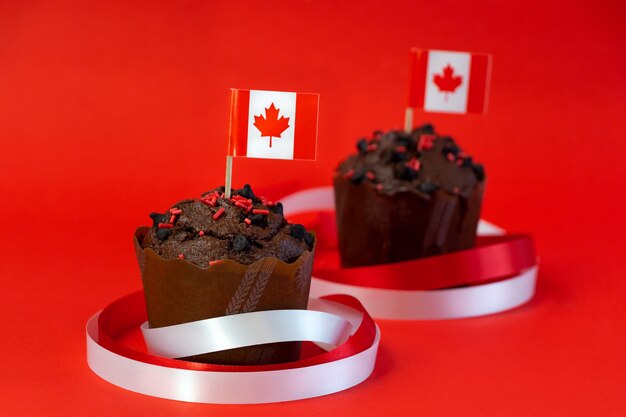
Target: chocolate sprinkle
<point>240,243</point>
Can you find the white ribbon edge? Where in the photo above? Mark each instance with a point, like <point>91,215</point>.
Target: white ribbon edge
<point>454,303</point>
<point>231,387</point>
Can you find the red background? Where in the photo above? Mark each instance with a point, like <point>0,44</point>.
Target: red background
<point>110,110</point>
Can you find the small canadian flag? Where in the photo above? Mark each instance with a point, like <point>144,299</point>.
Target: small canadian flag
<point>273,124</point>
<point>449,82</point>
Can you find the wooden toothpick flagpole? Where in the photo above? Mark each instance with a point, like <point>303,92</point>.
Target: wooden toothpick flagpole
<point>229,176</point>
<point>408,120</point>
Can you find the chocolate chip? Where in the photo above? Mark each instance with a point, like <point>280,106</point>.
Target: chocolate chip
<point>309,239</point>
<point>277,208</point>
<point>163,234</point>
<point>158,218</point>
<point>240,243</point>
<point>479,171</point>
<point>247,192</point>
<point>398,156</point>
<point>361,145</point>
<point>467,162</point>
<point>451,148</point>
<point>358,176</point>
<point>407,174</point>
<point>426,128</point>
<point>297,231</point>
<point>407,141</point>
<point>428,187</point>
<point>219,190</point>
<point>258,220</point>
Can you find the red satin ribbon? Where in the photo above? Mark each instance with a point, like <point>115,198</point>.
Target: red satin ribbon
<point>130,311</point>
<point>494,258</point>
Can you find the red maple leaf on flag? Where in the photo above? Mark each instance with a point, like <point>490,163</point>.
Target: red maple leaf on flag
<point>271,125</point>
<point>448,82</point>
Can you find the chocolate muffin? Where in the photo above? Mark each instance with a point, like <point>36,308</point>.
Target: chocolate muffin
<point>404,196</point>
<point>213,256</point>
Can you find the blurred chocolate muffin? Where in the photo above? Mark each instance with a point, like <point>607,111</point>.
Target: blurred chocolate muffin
<point>404,196</point>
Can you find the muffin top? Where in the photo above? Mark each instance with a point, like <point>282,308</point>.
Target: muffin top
<point>244,228</point>
<point>421,162</point>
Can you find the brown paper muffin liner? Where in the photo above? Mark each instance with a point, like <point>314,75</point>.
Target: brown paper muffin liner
<point>178,291</point>
<point>375,228</point>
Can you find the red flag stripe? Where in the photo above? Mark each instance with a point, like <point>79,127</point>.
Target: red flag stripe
<point>306,124</point>
<point>417,87</point>
<point>238,137</point>
<point>479,81</point>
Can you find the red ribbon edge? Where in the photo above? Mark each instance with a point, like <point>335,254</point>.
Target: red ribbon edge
<point>130,311</point>
<point>493,259</point>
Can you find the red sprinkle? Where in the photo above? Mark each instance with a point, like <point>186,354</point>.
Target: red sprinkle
<point>349,174</point>
<point>260,211</point>
<point>459,162</point>
<point>172,218</point>
<point>370,175</point>
<point>456,190</point>
<point>175,211</point>
<point>201,233</point>
<point>270,204</point>
<point>247,221</point>
<point>400,148</point>
<point>450,157</point>
<point>414,164</point>
<point>426,142</point>
<point>211,263</point>
<point>249,209</point>
<point>379,187</point>
<point>241,204</point>
<point>372,147</point>
<point>208,202</point>
<point>181,256</point>
<point>218,214</point>
<point>165,226</point>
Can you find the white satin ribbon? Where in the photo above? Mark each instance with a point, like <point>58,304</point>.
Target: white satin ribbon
<point>238,387</point>
<point>451,303</point>
<point>247,329</point>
